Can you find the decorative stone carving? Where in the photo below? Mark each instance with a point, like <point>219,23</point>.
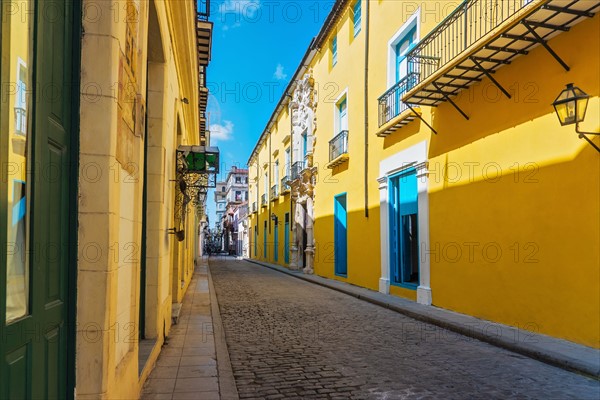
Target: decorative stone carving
<point>302,107</point>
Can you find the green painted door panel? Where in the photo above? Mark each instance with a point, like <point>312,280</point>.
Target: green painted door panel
<point>34,348</point>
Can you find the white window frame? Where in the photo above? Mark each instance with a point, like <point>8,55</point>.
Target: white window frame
<point>336,123</point>
<point>412,157</point>
<point>288,161</point>
<point>396,38</point>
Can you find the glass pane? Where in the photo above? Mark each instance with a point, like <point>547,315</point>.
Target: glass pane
<point>17,52</point>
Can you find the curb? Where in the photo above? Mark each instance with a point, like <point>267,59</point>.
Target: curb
<point>227,386</point>
<point>566,355</point>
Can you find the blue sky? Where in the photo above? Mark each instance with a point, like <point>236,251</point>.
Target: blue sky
<point>257,46</point>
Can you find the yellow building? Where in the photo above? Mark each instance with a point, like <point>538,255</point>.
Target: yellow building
<point>427,161</point>
<point>104,172</point>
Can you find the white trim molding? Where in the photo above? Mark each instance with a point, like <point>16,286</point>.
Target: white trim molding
<point>413,157</point>
<point>413,21</point>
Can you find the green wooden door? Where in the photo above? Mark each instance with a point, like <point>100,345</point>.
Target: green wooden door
<point>34,208</point>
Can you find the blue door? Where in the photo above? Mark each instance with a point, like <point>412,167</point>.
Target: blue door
<point>276,242</point>
<point>256,241</point>
<point>340,235</point>
<point>265,241</point>
<point>286,239</point>
<point>404,239</point>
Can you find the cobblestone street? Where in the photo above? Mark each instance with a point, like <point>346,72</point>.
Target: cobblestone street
<point>291,339</point>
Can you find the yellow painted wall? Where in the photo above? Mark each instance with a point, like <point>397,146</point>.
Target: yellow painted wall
<point>278,140</point>
<point>108,367</point>
<point>541,211</point>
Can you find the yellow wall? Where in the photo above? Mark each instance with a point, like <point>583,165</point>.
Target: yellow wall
<point>107,367</point>
<point>544,217</point>
<point>278,141</point>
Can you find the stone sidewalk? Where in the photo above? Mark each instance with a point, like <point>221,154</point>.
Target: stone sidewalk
<point>195,362</point>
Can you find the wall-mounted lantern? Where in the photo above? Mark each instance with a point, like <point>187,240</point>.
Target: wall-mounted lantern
<point>570,106</point>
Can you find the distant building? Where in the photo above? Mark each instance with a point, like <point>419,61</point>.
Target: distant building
<point>220,201</point>
<point>236,198</point>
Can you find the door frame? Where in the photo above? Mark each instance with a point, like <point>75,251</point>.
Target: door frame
<point>412,157</point>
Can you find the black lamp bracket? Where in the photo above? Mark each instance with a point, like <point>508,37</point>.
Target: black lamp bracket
<point>582,135</point>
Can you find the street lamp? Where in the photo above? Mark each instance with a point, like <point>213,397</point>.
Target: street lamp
<point>570,106</point>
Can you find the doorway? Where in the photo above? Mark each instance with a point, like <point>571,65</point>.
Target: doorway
<point>340,235</point>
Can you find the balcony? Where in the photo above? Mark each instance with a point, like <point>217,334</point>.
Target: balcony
<point>297,168</point>
<point>338,150</point>
<point>275,192</point>
<point>393,113</point>
<point>203,32</point>
<point>285,185</point>
<point>263,200</point>
<point>481,36</point>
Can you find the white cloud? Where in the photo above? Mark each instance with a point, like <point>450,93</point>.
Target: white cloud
<point>233,12</point>
<point>279,74</point>
<point>221,132</point>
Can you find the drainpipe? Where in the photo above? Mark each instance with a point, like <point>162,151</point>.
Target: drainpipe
<point>367,16</point>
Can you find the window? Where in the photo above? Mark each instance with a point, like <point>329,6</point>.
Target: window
<point>406,43</point>
<point>238,195</point>
<point>21,99</point>
<point>304,145</point>
<point>357,17</point>
<point>266,183</point>
<point>238,179</point>
<point>399,45</point>
<point>276,171</point>
<point>404,235</point>
<point>287,162</point>
<point>342,120</point>
<point>334,49</point>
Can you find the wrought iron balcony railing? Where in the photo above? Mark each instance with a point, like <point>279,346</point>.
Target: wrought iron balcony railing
<point>203,10</point>
<point>275,192</point>
<point>297,169</point>
<point>338,145</point>
<point>479,37</point>
<point>263,200</point>
<point>285,184</point>
<point>390,103</point>
<point>468,23</point>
